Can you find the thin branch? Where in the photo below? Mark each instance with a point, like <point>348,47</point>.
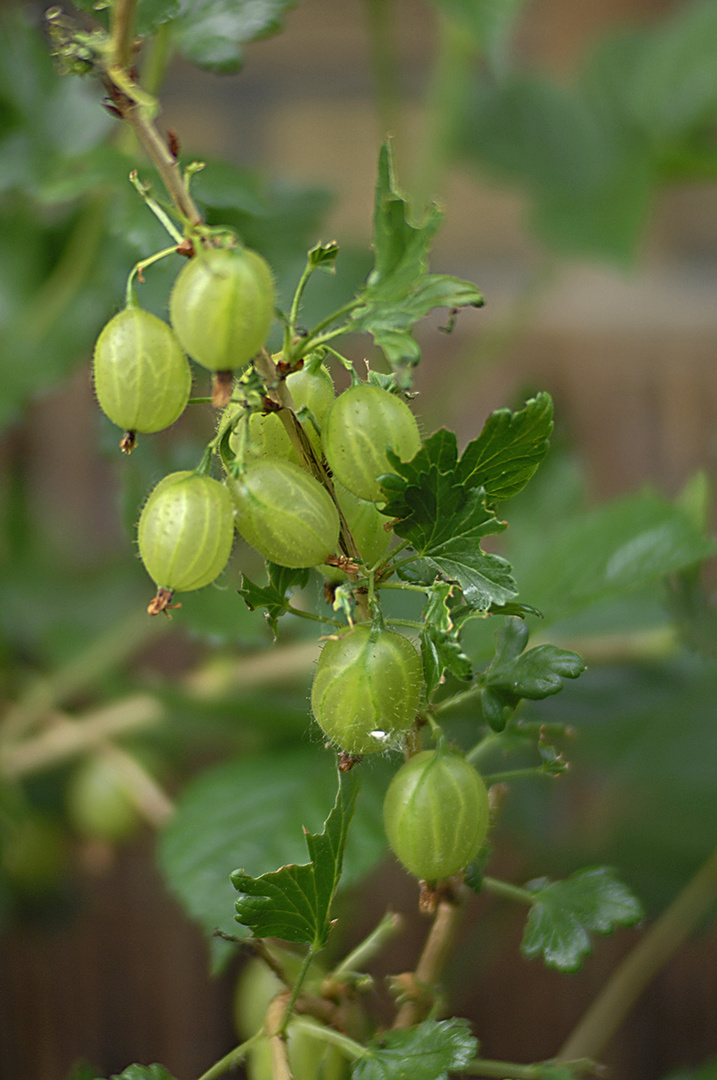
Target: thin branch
<point>65,737</point>
<point>431,963</point>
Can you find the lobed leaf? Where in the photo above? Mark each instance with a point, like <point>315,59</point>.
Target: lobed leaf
<point>294,903</point>
<point>509,449</point>
<point>428,1051</point>
<point>535,674</point>
<point>273,597</point>
<point>564,912</point>
<point>400,290</point>
<point>244,813</point>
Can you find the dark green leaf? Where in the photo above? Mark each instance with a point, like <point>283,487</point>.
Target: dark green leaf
<point>428,1051</point>
<point>564,911</point>
<point>535,674</point>
<point>511,639</point>
<point>211,33</point>
<point>294,903</point>
<point>445,519</point>
<point>143,1072</point>
<point>273,597</point>
<point>508,450</point>
<point>245,813</point>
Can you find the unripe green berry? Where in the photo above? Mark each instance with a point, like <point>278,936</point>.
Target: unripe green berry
<point>436,814</point>
<point>366,689</point>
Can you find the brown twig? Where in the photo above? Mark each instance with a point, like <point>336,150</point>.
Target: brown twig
<point>431,964</point>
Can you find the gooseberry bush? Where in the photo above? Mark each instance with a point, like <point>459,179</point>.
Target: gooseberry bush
<point>321,465</point>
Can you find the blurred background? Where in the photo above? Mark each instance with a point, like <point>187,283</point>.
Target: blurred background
<point>572,146</point>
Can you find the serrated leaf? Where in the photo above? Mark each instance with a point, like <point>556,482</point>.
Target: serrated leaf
<point>245,813</point>
<point>428,1051</point>
<point>294,903</point>
<point>444,519</point>
<point>143,1072</point>
<point>323,256</point>
<point>442,651</point>
<point>400,290</point>
<point>211,33</point>
<point>273,597</point>
<point>509,449</point>
<point>564,912</point>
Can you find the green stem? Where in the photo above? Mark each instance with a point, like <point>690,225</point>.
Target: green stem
<point>485,744</point>
<point>384,68</point>
<point>371,945</point>
<point>425,589</point>
<point>535,1071</point>
<point>295,991</point>
<point>156,58</point>
<point>446,97</point>
<point>595,1030</point>
<point>412,624</point>
<point>232,1059</point>
<point>296,304</point>
<point>512,774</point>
<point>510,892</point>
<point>122,32</point>
<point>313,338</point>
<point>315,618</point>
<point>459,699</point>
<point>138,268</point>
<point>350,1047</point>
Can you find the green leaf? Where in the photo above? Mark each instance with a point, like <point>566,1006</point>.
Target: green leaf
<point>143,1072</point>
<point>440,646</point>
<point>273,597</point>
<point>323,256</point>
<point>564,911</point>
<point>211,33</point>
<point>153,13</point>
<point>245,813</point>
<point>509,449</point>
<point>605,552</point>
<point>428,1051</point>
<point>294,903</point>
<point>672,88</point>
<point>444,518</point>
<point>536,674</point>
<point>399,290</point>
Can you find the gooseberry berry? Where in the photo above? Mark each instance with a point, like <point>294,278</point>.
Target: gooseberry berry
<point>185,534</point>
<point>285,513</point>
<point>366,689</point>
<point>362,425</point>
<point>436,814</point>
<point>142,377</point>
<point>221,307</point>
